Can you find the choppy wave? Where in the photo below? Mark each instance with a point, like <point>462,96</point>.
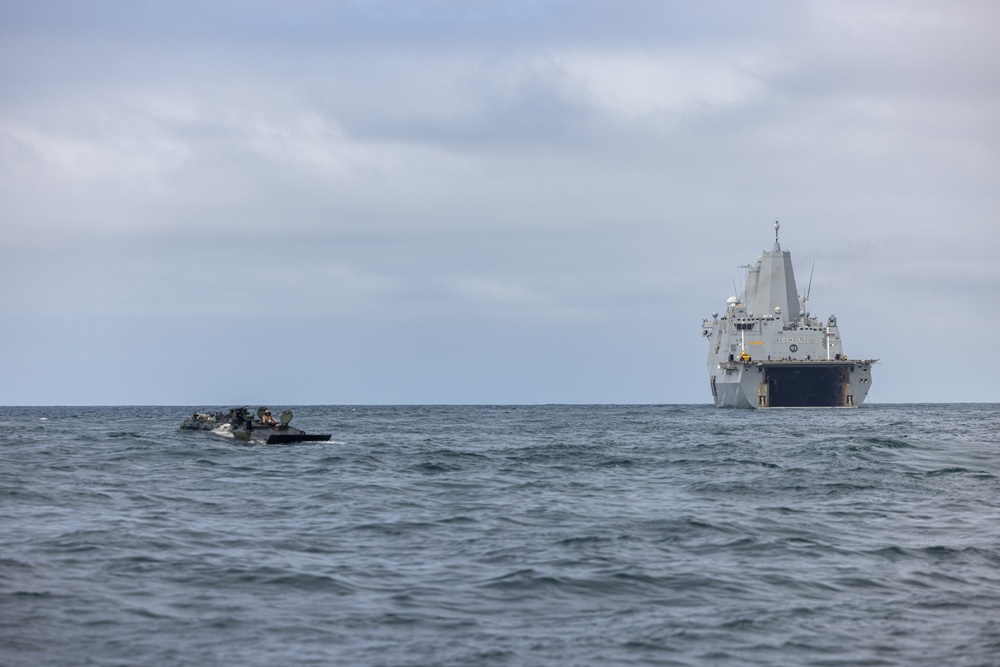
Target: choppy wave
<point>503,535</point>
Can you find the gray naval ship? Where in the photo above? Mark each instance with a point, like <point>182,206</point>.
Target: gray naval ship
<point>767,351</point>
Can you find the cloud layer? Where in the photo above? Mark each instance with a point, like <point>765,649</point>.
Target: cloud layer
<point>384,202</point>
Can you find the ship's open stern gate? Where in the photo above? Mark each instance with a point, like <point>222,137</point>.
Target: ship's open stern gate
<point>809,384</point>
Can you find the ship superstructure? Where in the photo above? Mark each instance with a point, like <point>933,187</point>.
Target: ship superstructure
<point>767,351</point>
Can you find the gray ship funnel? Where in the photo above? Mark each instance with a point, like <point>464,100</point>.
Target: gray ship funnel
<point>771,284</point>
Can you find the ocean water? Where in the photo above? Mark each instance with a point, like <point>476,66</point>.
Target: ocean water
<point>503,535</point>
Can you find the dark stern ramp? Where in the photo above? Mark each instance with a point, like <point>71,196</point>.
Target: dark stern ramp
<point>804,386</point>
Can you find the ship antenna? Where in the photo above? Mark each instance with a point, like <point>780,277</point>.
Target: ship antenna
<point>810,287</point>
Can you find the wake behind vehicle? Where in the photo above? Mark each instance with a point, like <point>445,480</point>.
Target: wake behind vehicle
<point>240,424</point>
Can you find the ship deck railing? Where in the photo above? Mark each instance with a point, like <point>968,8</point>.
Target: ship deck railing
<point>737,363</point>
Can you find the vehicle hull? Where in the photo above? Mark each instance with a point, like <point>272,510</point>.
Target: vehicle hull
<point>791,384</point>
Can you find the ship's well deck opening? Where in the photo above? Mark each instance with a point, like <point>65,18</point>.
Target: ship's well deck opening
<point>806,386</point>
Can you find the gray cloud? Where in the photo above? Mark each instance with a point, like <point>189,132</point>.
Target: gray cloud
<point>521,202</point>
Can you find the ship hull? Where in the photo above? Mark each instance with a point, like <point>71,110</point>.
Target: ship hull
<point>791,384</point>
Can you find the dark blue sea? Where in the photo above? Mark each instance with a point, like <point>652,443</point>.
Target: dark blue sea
<point>502,535</point>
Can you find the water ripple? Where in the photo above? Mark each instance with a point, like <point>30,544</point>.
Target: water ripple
<point>504,535</point>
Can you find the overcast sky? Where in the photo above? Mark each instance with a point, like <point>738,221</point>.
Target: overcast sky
<point>302,202</point>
